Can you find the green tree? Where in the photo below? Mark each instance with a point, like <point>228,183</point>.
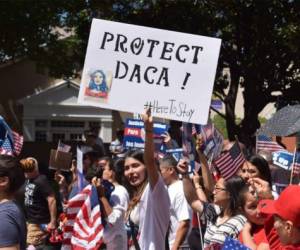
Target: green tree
<point>260,42</point>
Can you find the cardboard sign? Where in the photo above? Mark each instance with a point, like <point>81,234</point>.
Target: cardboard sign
<point>129,67</point>
<point>134,134</point>
<point>60,160</point>
<point>283,159</point>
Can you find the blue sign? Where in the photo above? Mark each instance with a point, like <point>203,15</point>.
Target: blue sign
<point>283,159</point>
<point>134,134</point>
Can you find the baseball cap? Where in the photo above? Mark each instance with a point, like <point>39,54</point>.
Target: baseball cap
<point>287,206</point>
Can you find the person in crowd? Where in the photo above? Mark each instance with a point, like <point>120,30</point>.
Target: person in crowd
<point>13,224</point>
<point>95,130</point>
<point>180,211</point>
<point>115,235</point>
<point>282,226</point>
<point>93,143</point>
<point>148,212</point>
<point>116,147</point>
<point>257,167</point>
<point>253,234</point>
<point>39,202</point>
<point>224,216</point>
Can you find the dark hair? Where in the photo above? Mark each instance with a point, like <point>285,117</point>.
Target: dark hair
<point>169,160</point>
<point>233,186</point>
<point>118,168</point>
<point>262,166</point>
<point>11,167</point>
<point>136,154</point>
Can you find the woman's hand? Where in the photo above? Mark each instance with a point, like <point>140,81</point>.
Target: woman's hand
<point>148,121</point>
<point>60,179</point>
<point>100,189</point>
<point>199,142</point>
<point>196,178</point>
<point>261,187</point>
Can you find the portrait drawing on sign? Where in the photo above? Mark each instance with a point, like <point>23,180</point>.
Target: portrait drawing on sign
<point>98,85</point>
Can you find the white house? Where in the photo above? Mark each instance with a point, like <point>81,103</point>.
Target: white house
<point>53,114</point>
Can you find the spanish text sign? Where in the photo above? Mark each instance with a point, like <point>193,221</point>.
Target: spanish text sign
<point>129,67</point>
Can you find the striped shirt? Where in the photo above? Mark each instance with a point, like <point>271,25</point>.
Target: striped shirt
<point>218,233</point>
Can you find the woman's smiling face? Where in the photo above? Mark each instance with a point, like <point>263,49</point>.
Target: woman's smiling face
<point>134,171</point>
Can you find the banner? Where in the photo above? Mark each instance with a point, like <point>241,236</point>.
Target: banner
<point>134,134</point>
<point>283,159</point>
<point>129,67</point>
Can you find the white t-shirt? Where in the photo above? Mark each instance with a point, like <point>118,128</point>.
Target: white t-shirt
<point>179,209</point>
<point>154,216</point>
<point>115,221</point>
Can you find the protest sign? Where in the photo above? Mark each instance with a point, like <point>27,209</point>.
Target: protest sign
<point>134,134</point>
<point>282,159</point>
<point>60,160</point>
<point>212,141</point>
<point>129,68</point>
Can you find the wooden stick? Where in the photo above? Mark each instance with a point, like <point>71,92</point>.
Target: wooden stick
<point>292,170</point>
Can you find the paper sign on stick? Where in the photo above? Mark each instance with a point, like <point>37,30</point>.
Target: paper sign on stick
<point>60,160</point>
<point>129,67</point>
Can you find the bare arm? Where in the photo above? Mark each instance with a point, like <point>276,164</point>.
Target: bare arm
<point>52,209</point>
<point>247,238</point>
<point>182,230</point>
<point>191,196</point>
<point>199,191</point>
<point>14,247</point>
<point>206,174</point>
<point>149,150</point>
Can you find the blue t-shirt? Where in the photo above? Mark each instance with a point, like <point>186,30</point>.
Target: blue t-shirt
<point>13,225</point>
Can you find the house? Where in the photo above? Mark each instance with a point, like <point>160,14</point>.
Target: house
<point>53,114</point>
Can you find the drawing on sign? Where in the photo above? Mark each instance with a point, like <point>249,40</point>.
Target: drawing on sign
<point>98,84</point>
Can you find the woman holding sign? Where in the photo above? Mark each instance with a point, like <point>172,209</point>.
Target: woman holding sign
<point>148,213</point>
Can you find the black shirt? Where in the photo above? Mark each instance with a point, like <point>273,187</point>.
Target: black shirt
<point>36,204</point>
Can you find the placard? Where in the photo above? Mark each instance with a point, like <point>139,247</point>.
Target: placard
<point>283,159</point>
<point>60,160</point>
<point>134,134</point>
<point>130,67</point>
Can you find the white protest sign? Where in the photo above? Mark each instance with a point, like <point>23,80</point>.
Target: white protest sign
<point>129,67</point>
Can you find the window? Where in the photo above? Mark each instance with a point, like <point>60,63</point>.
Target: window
<point>94,124</point>
<point>58,136</point>
<point>40,136</point>
<point>41,123</point>
<point>75,137</point>
<point>69,124</point>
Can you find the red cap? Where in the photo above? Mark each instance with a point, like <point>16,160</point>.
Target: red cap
<point>287,206</point>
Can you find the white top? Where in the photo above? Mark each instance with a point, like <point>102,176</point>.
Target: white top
<point>216,233</point>
<point>180,209</point>
<point>154,216</point>
<point>115,222</point>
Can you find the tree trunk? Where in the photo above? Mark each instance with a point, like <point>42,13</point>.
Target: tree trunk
<point>230,101</point>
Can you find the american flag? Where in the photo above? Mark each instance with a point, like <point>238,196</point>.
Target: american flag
<point>264,142</point>
<point>229,162</point>
<point>63,147</point>
<point>83,229</point>
<point>10,142</point>
<point>296,166</point>
<point>18,143</point>
<point>230,244</point>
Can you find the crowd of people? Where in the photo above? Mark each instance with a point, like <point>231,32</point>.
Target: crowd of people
<point>149,202</point>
